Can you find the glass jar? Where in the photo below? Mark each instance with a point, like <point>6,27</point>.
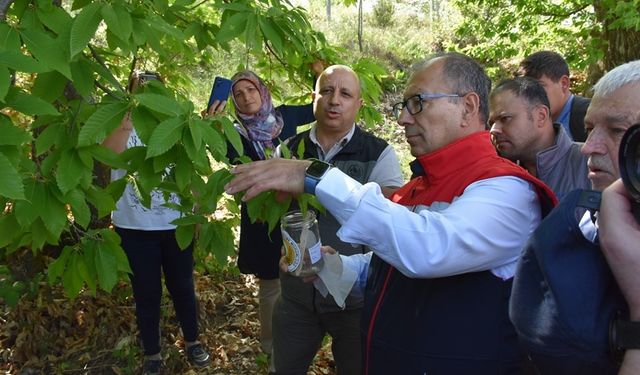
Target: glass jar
<point>301,241</point>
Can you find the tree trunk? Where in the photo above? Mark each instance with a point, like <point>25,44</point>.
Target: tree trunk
<point>360,25</point>
<point>620,45</point>
<point>328,11</point>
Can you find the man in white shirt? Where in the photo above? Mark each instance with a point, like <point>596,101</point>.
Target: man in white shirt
<point>446,244</point>
<point>301,315</point>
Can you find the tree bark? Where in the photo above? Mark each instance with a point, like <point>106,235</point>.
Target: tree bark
<point>620,45</point>
<point>360,24</point>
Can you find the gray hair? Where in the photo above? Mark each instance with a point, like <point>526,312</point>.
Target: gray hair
<point>617,77</point>
<point>464,75</point>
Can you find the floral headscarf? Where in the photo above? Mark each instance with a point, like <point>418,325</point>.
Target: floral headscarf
<point>266,124</point>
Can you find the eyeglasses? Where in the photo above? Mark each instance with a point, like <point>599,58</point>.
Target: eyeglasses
<point>413,104</point>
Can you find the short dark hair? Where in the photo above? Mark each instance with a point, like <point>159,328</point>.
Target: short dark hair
<point>548,63</point>
<point>526,88</point>
<point>466,75</point>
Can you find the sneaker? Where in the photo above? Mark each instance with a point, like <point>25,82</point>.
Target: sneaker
<point>151,367</point>
<point>197,356</point>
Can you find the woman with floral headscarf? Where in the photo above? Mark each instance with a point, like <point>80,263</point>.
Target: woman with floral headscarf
<point>262,126</point>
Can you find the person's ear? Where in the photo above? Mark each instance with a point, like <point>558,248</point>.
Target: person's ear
<point>471,106</point>
<point>565,83</point>
<point>541,114</point>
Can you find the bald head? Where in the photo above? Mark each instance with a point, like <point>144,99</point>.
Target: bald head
<point>343,69</point>
<point>336,100</point>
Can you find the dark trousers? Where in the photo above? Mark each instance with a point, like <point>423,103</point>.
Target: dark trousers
<point>150,253</point>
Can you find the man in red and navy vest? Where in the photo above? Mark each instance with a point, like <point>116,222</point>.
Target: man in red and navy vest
<point>445,246</point>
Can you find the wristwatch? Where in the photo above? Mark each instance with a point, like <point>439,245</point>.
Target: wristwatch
<point>314,173</point>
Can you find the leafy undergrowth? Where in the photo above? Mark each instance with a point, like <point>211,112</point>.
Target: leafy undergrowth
<point>97,335</point>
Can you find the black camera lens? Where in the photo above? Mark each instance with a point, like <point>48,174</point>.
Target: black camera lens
<point>629,158</point>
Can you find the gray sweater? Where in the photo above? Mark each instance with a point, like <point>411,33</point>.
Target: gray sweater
<point>562,167</point>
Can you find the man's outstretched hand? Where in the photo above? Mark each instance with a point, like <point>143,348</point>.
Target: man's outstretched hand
<point>282,175</point>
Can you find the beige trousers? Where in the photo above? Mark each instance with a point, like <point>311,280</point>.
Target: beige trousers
<point>268,293</point>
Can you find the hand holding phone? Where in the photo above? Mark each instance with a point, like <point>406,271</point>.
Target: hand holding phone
<point>220,93</point>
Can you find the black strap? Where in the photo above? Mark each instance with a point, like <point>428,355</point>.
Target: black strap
<point>590,199</point>
<point>625,334</point>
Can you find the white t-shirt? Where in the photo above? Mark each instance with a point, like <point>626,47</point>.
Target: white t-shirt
<point>131,214</point>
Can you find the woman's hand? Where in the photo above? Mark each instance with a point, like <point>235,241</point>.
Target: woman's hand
<point>215,109</point>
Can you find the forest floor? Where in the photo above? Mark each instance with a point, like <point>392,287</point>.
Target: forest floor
<point>97,335</point>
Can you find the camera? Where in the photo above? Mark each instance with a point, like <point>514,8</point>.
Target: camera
<point>144,77</point>
<point>629,159</point>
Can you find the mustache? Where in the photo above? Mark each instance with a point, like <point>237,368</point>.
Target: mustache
<point>597,163</point>
<point>334,109</point>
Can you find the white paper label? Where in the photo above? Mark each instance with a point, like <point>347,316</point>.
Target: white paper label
<point>314,252</point>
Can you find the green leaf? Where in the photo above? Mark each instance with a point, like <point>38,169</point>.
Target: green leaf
<point>10,180</point>
<point>118,20</point>
<point>71,280</point>
<point>190,220</point>
<point>53,212</point>
<point>195,129</point>
<point>54,18</point>
<point>29,104</point>
<point>270,32</point>
<point>183,170</point>
<point>215,141</point>
<point>165,136</point>
<point>101,200</point>
<point>163,27</point>
<point>83,77</point>
<point>233,27</point>
<point>11,134</point>
<point>79,208</point>
<point>85,274</point>
<point>116,188</point>
<point>103,121</point>
<point>70,171</point>
<point>184,235</point>
<point>26,211</point>
<point>84,27</point>
<point>217,238</point>
<point>109,157</point>
<point>160,103</point>
<point>21,63</point>
<point>232,135</point>
<point>49,51</point>
<point>9,38</point>
<point>57,267</point>
<point>198,158</point>
<point>48,137</point>
<point>5,82</point>
<point>49,86</point>
<point>9,229</point>
<point>38,235</point>
<point>106,266</point>
<point>112,241</point>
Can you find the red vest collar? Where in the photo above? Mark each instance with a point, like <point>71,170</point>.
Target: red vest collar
<point>456,156</point>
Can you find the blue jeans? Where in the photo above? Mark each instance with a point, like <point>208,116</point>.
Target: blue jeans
<point>149,253</point>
